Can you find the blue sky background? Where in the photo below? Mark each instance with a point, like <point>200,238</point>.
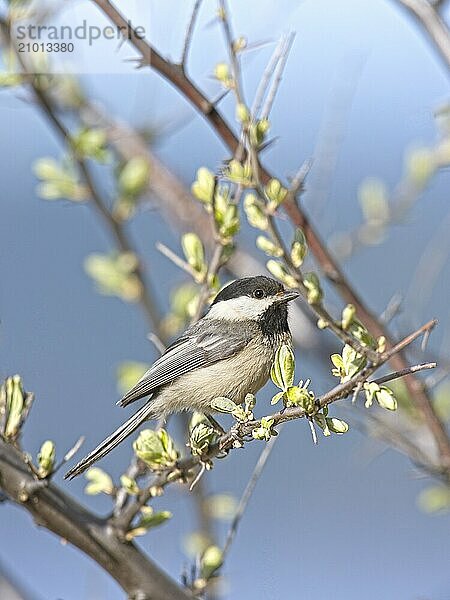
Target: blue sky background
<point>339,520</point>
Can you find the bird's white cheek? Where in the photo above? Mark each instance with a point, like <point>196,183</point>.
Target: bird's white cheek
<point>239,309</point>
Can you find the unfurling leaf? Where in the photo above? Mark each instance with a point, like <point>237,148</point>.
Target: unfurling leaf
<point>283,368</point>
<point>129,485</point>
<point>382,394</point>
<point>58,180</point>
<point>299,395</point>
<point>264,431</point>
<point>239,172</point>
<point>201,434</point>
<point>99,482</point>
<point>203,186</point>
<point>385,398</point>
<point>347,365</point>
<point>194,253</point>
<point>149,520</point>
<point>314,291</point>
<point>156,449</point>
<point>337,425</point>
<point>254,209</point>
<point>276,398</point>
<point>223,405</point>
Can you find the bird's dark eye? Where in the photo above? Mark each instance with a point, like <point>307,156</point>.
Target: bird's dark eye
<point>258,294</point>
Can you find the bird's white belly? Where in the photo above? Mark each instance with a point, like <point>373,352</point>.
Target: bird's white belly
<point>233,377</point>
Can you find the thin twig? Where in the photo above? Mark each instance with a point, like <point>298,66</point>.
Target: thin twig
<point>266,77</point>
<point>403,372</point>
<point>189,34</point>
<point>277,76</point>
<point>245,498</point>
<point>171,255</point>
<point>235,65</point>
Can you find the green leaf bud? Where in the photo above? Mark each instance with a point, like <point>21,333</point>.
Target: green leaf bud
<point>91,143</point>
<point>299,248</point>
<point>258,132</point>
<point>373,198</point>
<point>239,44</point>
<point>14,402</point>
<point>99,482</point>
<point>211,561</point>
<point>314,291</point>
<point>134,176</point>
<point>337,425</point>
<point>279,271</point>
<point>203,187</point>
<point>254,209</point>
<point>386,399</point>
<point>239,172</point>
<point>268,246</point>
<point>275,192</point>
<point>129,485</point>
<point>46,459</point>
<point>222,73</point>
<point>435,499</point>
<point>242,113</point>
<point>347,316</point>
<point>420,166</point>
<point>194,252</point>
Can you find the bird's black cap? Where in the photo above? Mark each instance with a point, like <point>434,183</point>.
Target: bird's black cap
<point>247,286</point>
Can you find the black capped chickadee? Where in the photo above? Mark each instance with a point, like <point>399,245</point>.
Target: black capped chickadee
<point>229,352</point>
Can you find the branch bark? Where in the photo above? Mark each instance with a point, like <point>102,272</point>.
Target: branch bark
<point>53,509</point>
<point>426,14</point>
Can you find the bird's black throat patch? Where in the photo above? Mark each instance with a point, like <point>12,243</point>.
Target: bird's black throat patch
<point>274,321</point>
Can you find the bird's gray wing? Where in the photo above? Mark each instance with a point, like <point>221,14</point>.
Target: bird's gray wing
<point>192,351</point>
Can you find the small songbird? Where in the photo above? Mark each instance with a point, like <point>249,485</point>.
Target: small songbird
<point>229,352</point>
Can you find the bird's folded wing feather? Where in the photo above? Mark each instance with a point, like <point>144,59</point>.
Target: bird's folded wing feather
<point>186,354</point>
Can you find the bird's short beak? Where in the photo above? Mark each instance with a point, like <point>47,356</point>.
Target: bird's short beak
<point>287,296</point>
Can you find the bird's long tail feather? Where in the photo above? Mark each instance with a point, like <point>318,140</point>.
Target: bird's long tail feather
<point>112,441</point>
